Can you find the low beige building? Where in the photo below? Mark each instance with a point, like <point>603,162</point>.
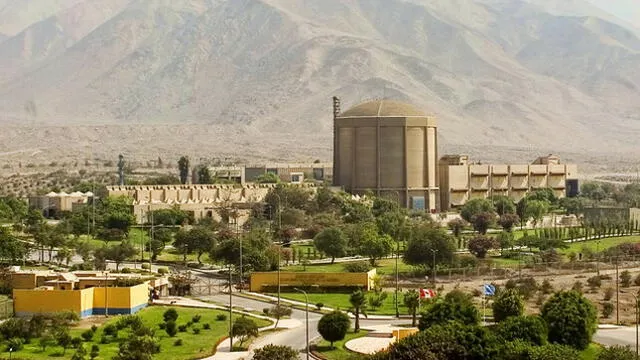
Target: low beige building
<point>53,203</point>
<point>200,200</point>
<point>461,180</point>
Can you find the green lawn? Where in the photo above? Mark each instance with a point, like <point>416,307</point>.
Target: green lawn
<point>341,301</point>
<point>339,351</point>
<point>194,346</point>
<point>385,267</point>
<point>601,244</point>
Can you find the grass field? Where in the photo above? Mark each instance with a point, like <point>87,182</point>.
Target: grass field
<point>385,267</point>
<point>339,351</point>
<point>601,244</point>
<point>194,346</point>
<point>341,301</point>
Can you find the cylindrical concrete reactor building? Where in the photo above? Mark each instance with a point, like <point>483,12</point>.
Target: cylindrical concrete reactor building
<point>390,148</point>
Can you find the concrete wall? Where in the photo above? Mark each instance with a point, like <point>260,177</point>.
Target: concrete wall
<point>288,279</point>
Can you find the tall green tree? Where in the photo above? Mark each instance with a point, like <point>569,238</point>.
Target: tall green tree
<point>474,207</point>
<point>503,205</point>
<point>358,303</point>
<point>198,239</point>
<point>332,242</point>
<point>183,167</point>
<point>571,318</point>
<point>531,329</point>
<point>507,303</point>
<point>412,302</point>
<point>11,248</point>
<point>376,247</point>
<point>455,306</point>
<point>424,241</point>
<point>120,253</point>
<point>535,210</point>
<point>204,175</point>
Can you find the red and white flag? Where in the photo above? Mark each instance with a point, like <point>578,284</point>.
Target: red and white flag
<point>427,293</point>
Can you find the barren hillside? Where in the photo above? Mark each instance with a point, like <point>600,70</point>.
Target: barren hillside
<point>236,76</point>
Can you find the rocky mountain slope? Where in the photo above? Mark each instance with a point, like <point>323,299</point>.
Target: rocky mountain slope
<point>550,74</point>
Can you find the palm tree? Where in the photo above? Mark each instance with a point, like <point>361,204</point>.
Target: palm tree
<point>358,305</point>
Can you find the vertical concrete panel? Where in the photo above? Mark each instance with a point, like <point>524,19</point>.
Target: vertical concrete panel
<point>345,157</point>
<point>366,171</point>
<point>432,154</point>
<point>416,157</point>
<point>391,157</point>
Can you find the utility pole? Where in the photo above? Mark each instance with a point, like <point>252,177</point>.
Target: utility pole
<point>617,295</point>
<point>397,277</point>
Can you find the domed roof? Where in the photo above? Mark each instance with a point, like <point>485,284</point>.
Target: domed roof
<point>383,108</point>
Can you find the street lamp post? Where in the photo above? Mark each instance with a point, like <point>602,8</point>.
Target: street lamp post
<point>306,310</point>
<point>397,277</point>
<point>434,251</point>
<point>635,297</point>
<point>230,311</point>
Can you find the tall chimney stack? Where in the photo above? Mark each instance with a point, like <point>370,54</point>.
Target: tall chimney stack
<point>336,113</point>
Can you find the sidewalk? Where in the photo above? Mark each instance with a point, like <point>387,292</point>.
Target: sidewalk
<point>223,350</point>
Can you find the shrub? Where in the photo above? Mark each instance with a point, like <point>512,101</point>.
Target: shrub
<point>594,282</point>
<point>206,326</point>
<point>170,315</point>
<point>616,352</point>
<point>196,331</point>
<point>95,351</point>
<point>319,306</point>
<point>577,286</point>
<point>467,261</point>
<point>608,293</point>
<point>507,303</point>
<point>221,317</point>
<point>266,311</point>
<point>571,319</point>
<point>182,328</point>
<point>527,287</point>
<point>357,266</point>
<point>456,306</point>
<point>334,326</point>
<point>125,271</point>
<point>15,344</point>
<point>145,266</point>
<point>94,328</point>
<point>163,271</point>
<point>104,339</point>
<point>625,279</point>
<point>546,287</point>
<point>531,329</point>
<point>87,335</point>
<point>76,342</point>
<point>275,352</point>
<point>162,325</point>
<point>110,330</point>
<point>178,342</point>
<point>170,328</point>
<point>189,323</point>
<point>196,318</point>
<point>607,309</point>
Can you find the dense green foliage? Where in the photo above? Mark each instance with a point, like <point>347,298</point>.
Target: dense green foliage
<point>334,326</point>
<point>507,303</point>
<point>275,352</point>
<point>455,306</point>
<point>571,319</point>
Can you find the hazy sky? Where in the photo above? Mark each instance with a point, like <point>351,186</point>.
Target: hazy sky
<point>628,10</point>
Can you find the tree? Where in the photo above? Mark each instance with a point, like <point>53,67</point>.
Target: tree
<point>531,329</point>
<point>456,226</point>
<point>376,247</point>
<point>170,314</point>
<point>275,352</point>
<point>474,207</point>
<point>412,302</point>
<point>482,221</point>
<point>508,221</point>
<point>508,303</point>
<point>571,318</point>
<point>183,166</point>
<point>425,238</point>
<point>535,210</point>
<point>11,248</point>
<point>616,352</point>
<point>258,252</point>
<point>332,242</point>
<point>138,348</point>
<point>198,239</point>
<point>63,339</point>
<point>204,175</point>
<point>156,246</point>
<point>45,341</point>
<point>95,351</point>
<point>334,326</point>
<point>455,306</point>
<point>278,312</point>
<point>169,217</point>
<point>358,306</point>
<point>503,205</point>
<point>80,353</point>
<point>505,240</point>
<point>268,178</point>
<point>480,245</point>
<point>244,328</point>
<point>121,252</point>
<point>171,328</point>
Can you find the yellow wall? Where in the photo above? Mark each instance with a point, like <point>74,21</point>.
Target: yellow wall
<point>116,297</point>
<point>139,295</point>
<point>260,279</point>
<point>23,281</point>
<point>37,301</point>
<point>403,333</point>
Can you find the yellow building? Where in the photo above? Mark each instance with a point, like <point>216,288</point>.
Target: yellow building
<point>82,292</point>
<point>261,280</point>
<point>461,181</point>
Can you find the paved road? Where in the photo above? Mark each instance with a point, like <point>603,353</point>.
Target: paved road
<point>291,337</point>
<point>625,336</point>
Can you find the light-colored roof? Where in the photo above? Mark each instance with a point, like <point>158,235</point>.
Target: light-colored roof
<point>383,108</point>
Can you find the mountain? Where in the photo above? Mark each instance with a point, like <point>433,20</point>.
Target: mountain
<point>553,74</point>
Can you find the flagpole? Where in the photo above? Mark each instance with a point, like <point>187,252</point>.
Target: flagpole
<point>484,305</point>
